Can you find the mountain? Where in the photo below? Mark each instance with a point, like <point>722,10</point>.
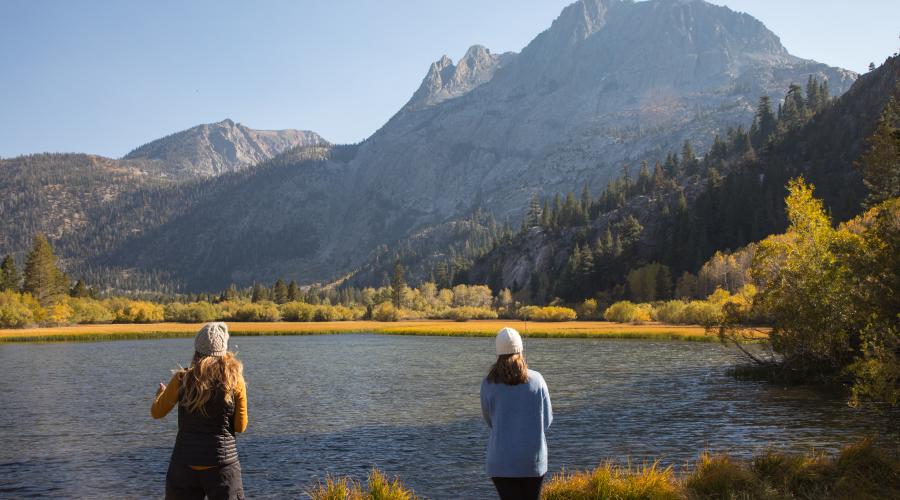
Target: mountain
<point>73,197</point>
<point>610,82</point>
<point>215,148</point>
<point>733,198</point>
<point>446,80</point>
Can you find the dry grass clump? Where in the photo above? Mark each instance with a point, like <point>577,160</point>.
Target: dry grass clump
<point>859,471</point>
<point>612,481</point>
<point>377,487</point>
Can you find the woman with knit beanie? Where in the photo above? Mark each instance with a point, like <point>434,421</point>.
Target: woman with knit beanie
<point>212,407</point>
<point>515,403</point>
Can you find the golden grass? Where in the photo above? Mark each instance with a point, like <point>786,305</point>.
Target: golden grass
<point>474,328</point>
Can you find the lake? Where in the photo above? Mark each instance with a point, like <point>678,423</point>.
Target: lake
<point>75,419</point>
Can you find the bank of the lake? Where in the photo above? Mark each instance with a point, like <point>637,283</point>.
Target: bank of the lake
<point>474,328</point>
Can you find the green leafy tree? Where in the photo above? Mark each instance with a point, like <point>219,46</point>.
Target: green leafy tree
<point>80,290</point>
<point>9,275</point>
<point>44,280</point>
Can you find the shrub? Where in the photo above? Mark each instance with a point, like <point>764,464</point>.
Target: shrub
<point>549,313</point>
<point>588,310</point>
<point>86,310</point>
<point>719,476</point>
<point>135,311</point>
<point>670,311</point>
<point>59,314</point>
<point>386,312</point>
<point>334,313</point>
<point>195,312</point>
<point>19,309</point>
<point>258,311</point>
<point>628,312</point>
<point>701,312</point>
<point>466,313</point>
<point>297,311</point>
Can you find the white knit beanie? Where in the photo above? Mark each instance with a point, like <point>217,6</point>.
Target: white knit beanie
<point>508,342</point>
<point>212,339</point>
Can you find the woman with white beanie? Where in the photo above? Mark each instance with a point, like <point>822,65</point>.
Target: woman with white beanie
<point>212,406</point>
<point>515,403</point>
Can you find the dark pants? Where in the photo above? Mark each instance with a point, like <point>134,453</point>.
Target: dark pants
<point>218,483</point>
<point>518,488</point>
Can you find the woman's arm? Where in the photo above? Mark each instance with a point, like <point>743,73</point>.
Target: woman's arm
<point>166,398</point>
<point>485,406</point>
<point>240,408</point>
<point>548,408</point>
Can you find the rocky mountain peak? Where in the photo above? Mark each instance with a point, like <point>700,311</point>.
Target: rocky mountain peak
<point>446,80</point>
<point>215,148</point>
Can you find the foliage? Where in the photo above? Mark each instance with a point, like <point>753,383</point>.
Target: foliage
<point>548,313</point>
<point>87,310</point>
<point>9,275</point>
<point>831,295</point>
<point>465,313</point>
<point>19,309</point>
<point>589,310</point>
<point>612,481</point>
<point>135,311</point>
<point>628,312</point>
<point>195,312</point>
<point>386,311</point>
<point>254,311</point>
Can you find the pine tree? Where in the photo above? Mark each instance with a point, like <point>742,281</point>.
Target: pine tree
<point>881,161</point>
<point>644,183</point>
<point>9,275</point>
<point>586,200</point>
<point>764,123</point>
<point>280,292</point>
<point>398,283</point>
<point>659,177</point>
<point>43,278</point>
<point>230,293</point>
<point>80,290</point>
<point>293,292</point>
<point>533,216</point>
<point>260,293</point>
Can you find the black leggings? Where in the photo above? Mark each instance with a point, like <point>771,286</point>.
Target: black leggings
<point>518,488</point>
<point>219,483</point>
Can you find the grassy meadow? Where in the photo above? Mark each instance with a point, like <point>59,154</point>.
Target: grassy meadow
<point>474,328</point>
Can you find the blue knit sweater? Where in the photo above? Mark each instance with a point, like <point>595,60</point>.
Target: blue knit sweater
<point>518,416</point>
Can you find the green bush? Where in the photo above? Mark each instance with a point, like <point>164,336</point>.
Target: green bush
<point>258,311</point>
<point>386,312</point>
<point>18,310</point>
<point>628,312</point>
<point>701,312</point>
<point>90,311</point>
<point>466,313</point>
<point>135,311</point>
<point>195,312</point>
<point>670,311</point>
<point>589,310</point>
<point>549,313</point>
<point>297,311</point>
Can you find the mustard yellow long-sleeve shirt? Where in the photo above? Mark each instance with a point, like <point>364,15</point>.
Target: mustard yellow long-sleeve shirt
<point>167,399</point>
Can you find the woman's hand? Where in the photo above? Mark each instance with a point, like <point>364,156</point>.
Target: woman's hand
<point>160,389</point>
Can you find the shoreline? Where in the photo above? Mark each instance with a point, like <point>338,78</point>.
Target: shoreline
<point>442,328</point>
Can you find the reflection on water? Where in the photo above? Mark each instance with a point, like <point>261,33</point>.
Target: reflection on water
<point>75,418</point>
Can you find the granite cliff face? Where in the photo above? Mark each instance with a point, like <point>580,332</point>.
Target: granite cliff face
<point>611,82</point>
<point>216,148</point>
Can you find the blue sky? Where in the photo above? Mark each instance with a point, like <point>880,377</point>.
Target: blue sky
<point>106,76</point>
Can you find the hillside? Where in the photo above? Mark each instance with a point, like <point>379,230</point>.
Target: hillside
<point>216,148</point>
<point>610,82</point>
<point>729,198</point>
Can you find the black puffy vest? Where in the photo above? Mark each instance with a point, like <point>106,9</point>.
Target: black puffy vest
<point>206,439</point>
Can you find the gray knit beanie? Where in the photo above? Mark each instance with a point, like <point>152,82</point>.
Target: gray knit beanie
<point>212,339</point>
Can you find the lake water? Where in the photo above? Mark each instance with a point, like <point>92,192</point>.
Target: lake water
<point>75,420</point>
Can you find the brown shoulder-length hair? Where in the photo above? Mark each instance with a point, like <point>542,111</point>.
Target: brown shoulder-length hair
<point>206,374</point>
<point>510,369</point>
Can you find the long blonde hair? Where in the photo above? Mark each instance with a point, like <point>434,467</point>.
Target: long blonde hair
<point>510,369</point>
<point>205,375</point>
